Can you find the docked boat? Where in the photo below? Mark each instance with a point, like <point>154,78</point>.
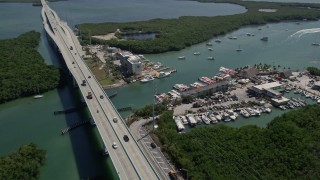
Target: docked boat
<point>179,124</point>
<point>205,119</point>
<point>38,96</point>
<point>268,110</point>
<point>218,117</point>
<point>192,120</point>
<point>209,44</point>
<point>184,120</point>
<point>218,41</point>
<point>244,113</point>
<point>198,118</point>
<point>264,39</point>
<point>163,74</point>
<point>210,58</point>
<point>147,79</point>
<point>213,119</point>
<point>206,80</point>
<point>181,87</point>
<point>197,85</point>
<point>182,57</point>
<point>196,53</point>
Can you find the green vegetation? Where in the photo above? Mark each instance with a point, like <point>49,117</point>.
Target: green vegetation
<point>147,110</point>
<point>23,71</point>
<point>314,71</point>
<point>289,148</point>
<point>23,164</point>
<point>176,34</point>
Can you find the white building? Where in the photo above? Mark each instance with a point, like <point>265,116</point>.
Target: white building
<point>131,63</point>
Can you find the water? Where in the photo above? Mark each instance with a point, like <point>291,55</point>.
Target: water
<point>281,49</point>
<point>80,11</point>
<point>289,1</point>
<point>72,156</point>
<point>75,155</point>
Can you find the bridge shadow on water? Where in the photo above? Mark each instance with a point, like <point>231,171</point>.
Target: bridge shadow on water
<point>86,142</point>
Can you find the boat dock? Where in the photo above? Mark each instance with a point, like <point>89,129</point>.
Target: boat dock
<point>129,108</point>
<point>72,127</point>
<point>70,110</point>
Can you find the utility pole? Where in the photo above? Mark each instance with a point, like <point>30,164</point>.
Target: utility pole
<point>153,102</point>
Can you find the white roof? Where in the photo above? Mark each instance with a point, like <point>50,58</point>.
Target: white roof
<point>268,85</point>
<point>283,99</point>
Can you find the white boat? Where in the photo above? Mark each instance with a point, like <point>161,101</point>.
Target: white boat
<point>38,96</point>
<point>233,37</point>
<point>205,119</point>
<point>192,120</point>
<point>184,120</point>
<point>268,110</point>
<point>209,44</point>
<point>218,117</point>
<point>264,39</point>
<point>179,124</point>
<point>239,49</point>
<point>196,53</point>
<point>147,79</point>
<point>244,113</point>
<point>213,119</point>
<point>218,41</point>
<point>182,57</point>
<point>198,118</point>
<point>163,74</point>
<point>210,58</point>
<point>315,44</point>
<point>210,49</point>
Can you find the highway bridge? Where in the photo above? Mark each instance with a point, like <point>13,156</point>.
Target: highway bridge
<point>128,158</point>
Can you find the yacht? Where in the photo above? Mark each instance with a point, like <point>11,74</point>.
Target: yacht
<point>163,74</point>
<point>218,41</point>
<point>244,113</point>
<point>315,44</point>
<point>147,79</point>
<point>38,96</point>
<point>184,120</point>
<point>210,58</point>
<point>205,119</point>
<point>196,53</point>
<point>264,39</point>
<point>182,57</point>
<point>210,49</point>
<point>218,117</point>
<point>233,37</point>
<point>198,118</point>
<point>192,120</point>
<point>209,44</point>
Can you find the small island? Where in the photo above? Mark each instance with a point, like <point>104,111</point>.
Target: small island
<point>23,71</point>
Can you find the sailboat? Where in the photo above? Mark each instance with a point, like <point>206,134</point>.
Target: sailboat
<point>38,96</point>
<point>210,57</point>
<point>239,49</point>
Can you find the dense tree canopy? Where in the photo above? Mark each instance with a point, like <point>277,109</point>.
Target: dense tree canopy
<point>23,164</point>
<point>289,148</point>
<point>314,71</point>
<point>23,71</point>
<point>176,34</point>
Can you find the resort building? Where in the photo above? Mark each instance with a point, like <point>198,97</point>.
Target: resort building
<point>131,63</point>
<point>267,91</point>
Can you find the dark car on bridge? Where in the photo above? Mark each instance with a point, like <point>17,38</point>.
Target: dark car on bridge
<point>126,138</point>
<point>153,145</point>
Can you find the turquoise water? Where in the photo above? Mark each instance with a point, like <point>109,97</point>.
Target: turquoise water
<point>281,49</point>
<point>289,1</point>
<point>76,155</point>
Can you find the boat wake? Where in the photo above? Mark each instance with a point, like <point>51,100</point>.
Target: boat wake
<point>304,32</point>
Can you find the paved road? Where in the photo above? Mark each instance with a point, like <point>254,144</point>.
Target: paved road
<point>128,159</point>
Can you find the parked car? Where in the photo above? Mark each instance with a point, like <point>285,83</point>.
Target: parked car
<point>126,138</point>
<point>153,145</point>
